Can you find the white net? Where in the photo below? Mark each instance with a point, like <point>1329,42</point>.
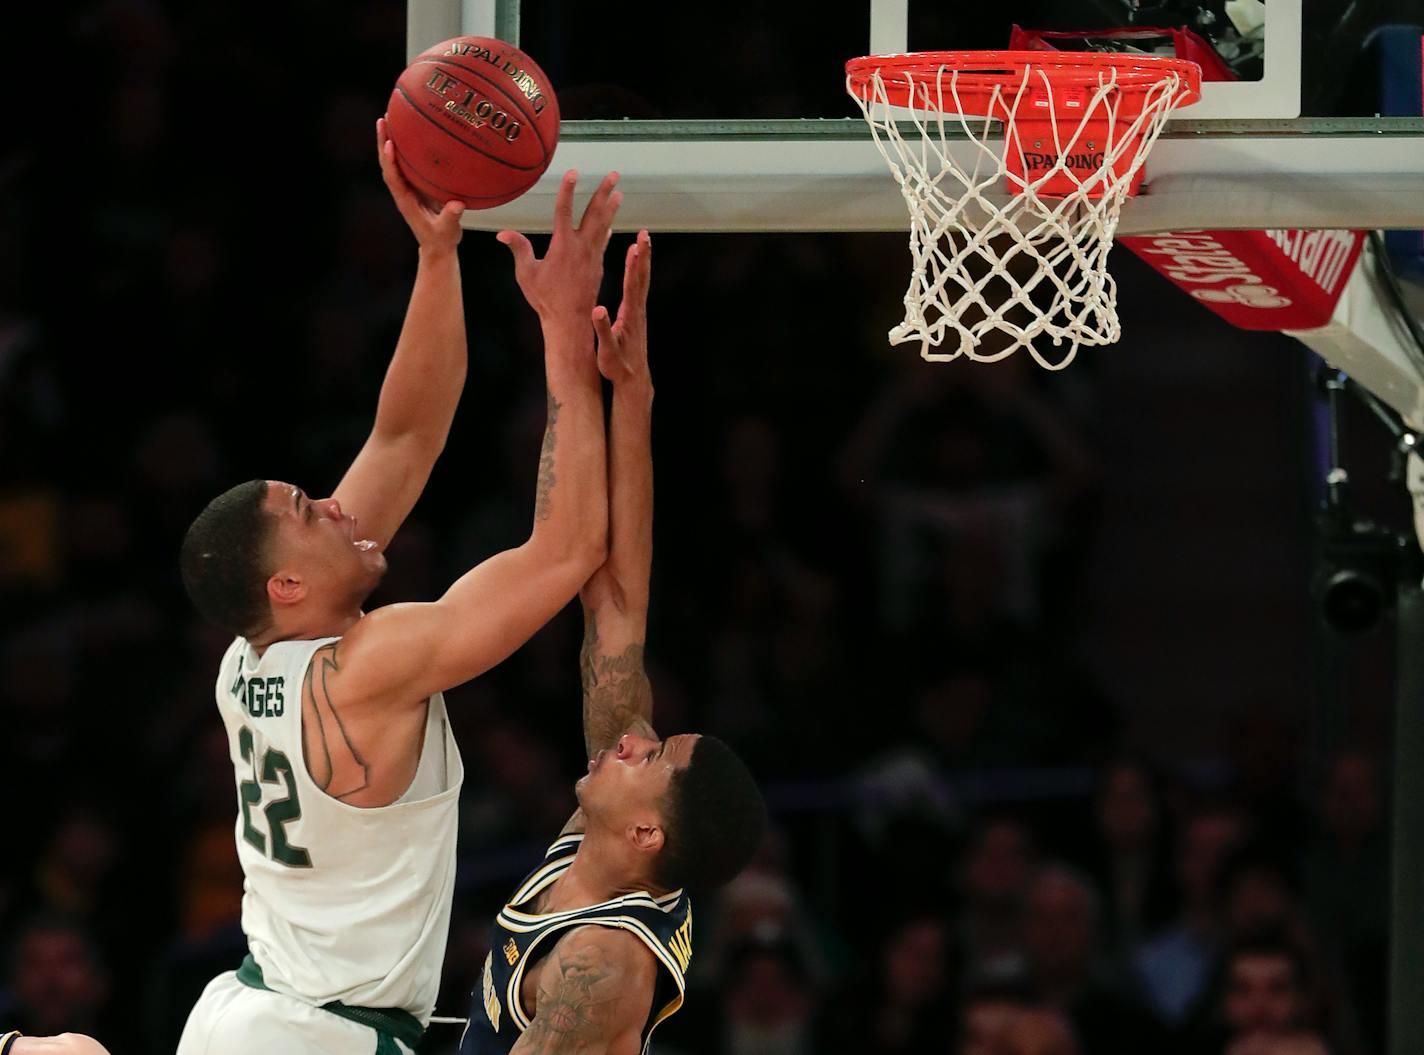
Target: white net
<point>997,269</point>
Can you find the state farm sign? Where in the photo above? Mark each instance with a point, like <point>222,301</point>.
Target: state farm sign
<point>1258,280</point>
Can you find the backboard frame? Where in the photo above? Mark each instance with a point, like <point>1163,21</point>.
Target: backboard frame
<point>824,174</point>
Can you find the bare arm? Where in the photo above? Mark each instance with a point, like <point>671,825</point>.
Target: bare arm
<point>64,1044</point>
<point>426,375</point>
<point>595,992</point>
<point>405,652</point>
<point>616,694</point>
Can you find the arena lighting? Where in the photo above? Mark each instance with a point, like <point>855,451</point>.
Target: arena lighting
<point>1360,564</point>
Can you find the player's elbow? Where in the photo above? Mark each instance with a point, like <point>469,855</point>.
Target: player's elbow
<point>597,554</point>
<point>583,552</point>
<point>587,556</point>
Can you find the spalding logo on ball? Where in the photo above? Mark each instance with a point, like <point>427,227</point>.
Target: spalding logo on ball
<point>475,120</point>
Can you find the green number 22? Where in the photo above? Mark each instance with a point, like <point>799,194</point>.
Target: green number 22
<point>279,812</point>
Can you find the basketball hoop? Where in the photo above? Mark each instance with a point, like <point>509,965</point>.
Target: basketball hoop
<point>1076,129</point>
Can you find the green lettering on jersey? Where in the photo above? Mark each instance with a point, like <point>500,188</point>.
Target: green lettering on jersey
<point>263,698</point>
<point>275,768</point>
<point>249,793</point>
<point>274,762</point>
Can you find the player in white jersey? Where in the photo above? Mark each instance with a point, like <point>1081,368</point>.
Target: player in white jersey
<point>347,775</point>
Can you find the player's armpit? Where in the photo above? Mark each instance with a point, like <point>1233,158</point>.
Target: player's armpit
<point>595,992</point>
<point>404,652</point>
<point>617,696</point>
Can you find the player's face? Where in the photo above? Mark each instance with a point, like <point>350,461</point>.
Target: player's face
<point>628,781</point>
<point>318,541</point>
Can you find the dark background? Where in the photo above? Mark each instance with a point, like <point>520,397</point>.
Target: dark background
<point>994,639</point>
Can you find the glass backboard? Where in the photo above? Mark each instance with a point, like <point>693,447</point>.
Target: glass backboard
<point>783,147</point>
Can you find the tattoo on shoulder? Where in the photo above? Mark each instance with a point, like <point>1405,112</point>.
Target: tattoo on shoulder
<point>545,489</point>
<point>329,749</point>
<point>578,998</point>
<point>616,690</point>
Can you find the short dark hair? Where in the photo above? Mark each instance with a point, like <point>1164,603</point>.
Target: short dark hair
<point>224,560</point>
<point>713,819</point>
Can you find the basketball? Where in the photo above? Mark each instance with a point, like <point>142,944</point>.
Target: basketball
<point>473,119</point>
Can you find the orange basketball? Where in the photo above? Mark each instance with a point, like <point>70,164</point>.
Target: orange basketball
<point>473,119</point>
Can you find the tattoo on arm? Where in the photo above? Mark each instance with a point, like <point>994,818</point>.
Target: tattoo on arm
<point>616,690</point>
<point>578,1003</point>
<point>545,487</point>
<point>328,745</point>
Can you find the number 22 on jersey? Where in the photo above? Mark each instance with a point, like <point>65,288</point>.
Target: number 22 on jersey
<point>274,769</point>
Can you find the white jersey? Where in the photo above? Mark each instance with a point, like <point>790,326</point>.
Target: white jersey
<point>340,903</point>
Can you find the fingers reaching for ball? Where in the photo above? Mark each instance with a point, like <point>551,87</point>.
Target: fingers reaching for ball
<point>564,203</point>
<point>522,250</point>
<point>623,343</point>
<point>598,214</point>
<point>563,285</point>
<point>638,272</point>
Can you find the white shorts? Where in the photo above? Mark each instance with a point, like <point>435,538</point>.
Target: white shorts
<point>234,1019</point>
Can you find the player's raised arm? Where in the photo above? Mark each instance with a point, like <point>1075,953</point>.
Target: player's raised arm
<point>407,651</point>
<point>616,695</point>
<point>426,375</point>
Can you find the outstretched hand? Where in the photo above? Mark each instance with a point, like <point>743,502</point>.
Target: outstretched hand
<point>623,344</point>
<point>433,229</point>
<point>563,286</point>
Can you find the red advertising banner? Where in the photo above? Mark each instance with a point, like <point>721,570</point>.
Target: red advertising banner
<point>1258,280</point>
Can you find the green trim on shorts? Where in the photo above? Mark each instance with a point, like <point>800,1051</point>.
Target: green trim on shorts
<point>390,1023</point>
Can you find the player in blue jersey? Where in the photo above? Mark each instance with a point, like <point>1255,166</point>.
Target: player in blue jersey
<point>590,952</point>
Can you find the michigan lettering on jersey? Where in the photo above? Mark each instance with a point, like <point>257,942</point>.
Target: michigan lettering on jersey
<point>681,942</point>
<point>490,996</point>
<point>263,697</point>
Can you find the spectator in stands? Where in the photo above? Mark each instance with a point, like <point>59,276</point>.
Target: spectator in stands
<point>1128,856</point>
<point>997,869</point>
<point>907,1008</point>
<point>1061,943</point>
<point>57,981</point>
<point>768,1004</point>
<point>1001,1017</point>
<point>991,1004</point>
<point>1265,1003</point>
<point>1174,967</point>
<point>1041,1031</point>
<point>1346,883</point>
<point>1258,896</point>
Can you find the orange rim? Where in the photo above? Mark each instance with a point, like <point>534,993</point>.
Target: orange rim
<point>978,74</point>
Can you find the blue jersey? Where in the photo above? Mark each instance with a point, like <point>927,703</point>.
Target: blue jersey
<point>520,939</point>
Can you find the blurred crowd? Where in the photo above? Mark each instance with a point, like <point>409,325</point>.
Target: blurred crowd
<point>866,579</point>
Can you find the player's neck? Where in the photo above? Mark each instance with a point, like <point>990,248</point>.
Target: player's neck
<point>305,626</point>
<point>599,873</point>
